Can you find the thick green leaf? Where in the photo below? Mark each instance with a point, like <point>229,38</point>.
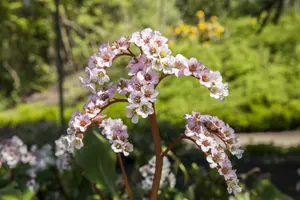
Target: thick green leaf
<point>11,193</point>
<point>98,161</point>
<point>264,189</point>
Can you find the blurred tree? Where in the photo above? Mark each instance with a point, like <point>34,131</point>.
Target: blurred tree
<point>24,39</point>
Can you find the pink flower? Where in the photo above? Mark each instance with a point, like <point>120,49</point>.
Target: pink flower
<point>105,95</point>
<point>149,92</point>
<point>136,38</point>
<point>233,187</point>
<point>91,109</point>
<point>208,78</point>
<point>137,66</point>
<point>134,84</point>
<point>101,76</point>
<point>116,132</point>
<point>123,88</point>
<point>120,45</point>
<point>159,39</point>
<point>216,156</point>
<point>127,148</point>
<point>206,143</point>
<point>148,76</point>
<point>107,54</point>
<point>81,122</point>
<point>95,61</point>
<point>193,67</point>
<point>219,91</point>
<point>180,64</point>
<point>168,65</point>
<point>146,35</point>
<point>136,97</point>
<point>226,169</point>
<point>131,113</point>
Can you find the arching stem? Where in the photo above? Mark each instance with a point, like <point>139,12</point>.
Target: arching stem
<point>176,141</point>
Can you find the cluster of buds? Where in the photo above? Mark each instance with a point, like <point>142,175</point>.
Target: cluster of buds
<point>13,151</point>
<point>167,177</point>
<point>116,132</point>
<point>146,69</point>
<point>206,130</point>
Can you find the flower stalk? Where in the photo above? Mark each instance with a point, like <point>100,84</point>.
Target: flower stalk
<point>128,189</point>
<point>158,158</point>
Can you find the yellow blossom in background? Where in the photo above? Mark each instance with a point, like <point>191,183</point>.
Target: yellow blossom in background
<point>177,30</point>
<point>201,26</point>
<point>200,13</point>
<point>214,19</point>
<point>206,31</point>
<point>220,30</point>
<point>171,43</point>
<point>206,44</point>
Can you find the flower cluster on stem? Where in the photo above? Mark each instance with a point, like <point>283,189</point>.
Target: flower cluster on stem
<point>147,68</point>
<point>204,129</point>
<point>147,171</point>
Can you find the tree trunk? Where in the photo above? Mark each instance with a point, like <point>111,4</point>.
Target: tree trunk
<point>59,66</point>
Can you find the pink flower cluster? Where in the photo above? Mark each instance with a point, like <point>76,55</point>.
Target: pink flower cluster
<point>13,151</point>
<point>146,69</point>
<point>148,170</point>
<point>154,47</point>
<point>205,129</point>
<point>116,132</point>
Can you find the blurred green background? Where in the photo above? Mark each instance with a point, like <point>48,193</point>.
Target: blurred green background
<point>255,44</point>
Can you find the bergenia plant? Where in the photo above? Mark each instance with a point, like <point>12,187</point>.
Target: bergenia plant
<point>146,70</point>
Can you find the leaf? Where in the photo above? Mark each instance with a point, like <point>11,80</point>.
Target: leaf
<point>98,161</point>
<point>266,190</point>
<point>11,193</point>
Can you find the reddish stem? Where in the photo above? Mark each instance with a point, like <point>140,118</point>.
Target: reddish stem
<point>128,189</point>
<point>176,141</point>
<point>112,102</point>
<point>158,158</point>
<point>122,54</point>
<point>161,78</point>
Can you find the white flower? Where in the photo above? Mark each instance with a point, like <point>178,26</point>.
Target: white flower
<point>206,143</point>
<point>145,109</point>
<point>192,68</point>
<point>149,92</point>
<point>147,171</point>
<point>180,64</point>
<point>127,148</point>
<point>131,113</point>
<point>219,91</point>
<point>117,146</point>
<point>81,122</point>
<point>95,61</point>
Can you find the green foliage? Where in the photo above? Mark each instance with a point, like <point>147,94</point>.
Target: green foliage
<point>11,193</point>
<point>264,189</point>
<point>262,71</point>
<point>98,162</point>
<point>24,41</point>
